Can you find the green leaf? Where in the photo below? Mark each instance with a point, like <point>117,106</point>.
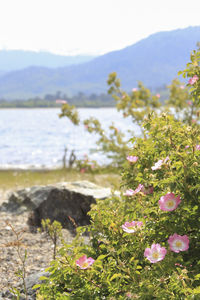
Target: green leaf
<point>197,277</point>
<point>102,256</point>
<point>36,286</point>
<point>115,276</point>
<point>43,278</point>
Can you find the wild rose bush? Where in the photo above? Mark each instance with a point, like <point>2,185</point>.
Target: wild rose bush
<point>143,245</point>
<point>137,105</point>
<point>185,99</point>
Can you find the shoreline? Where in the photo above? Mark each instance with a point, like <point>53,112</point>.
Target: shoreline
<point>31,169</point>
<point>54,107</point>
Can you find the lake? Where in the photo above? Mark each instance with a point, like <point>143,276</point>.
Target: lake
<point>36,138</point>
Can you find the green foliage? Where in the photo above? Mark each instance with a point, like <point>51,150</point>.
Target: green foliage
<point>113,142</point>
<point>120,266</point>
<point>186,99</point>
<point>138,104</point>
<point>168,138</point>
<point>192,69</point>
<point>179,95</point>
<point>70,112</point>
<point>54,231</point>
<point>168,162</point>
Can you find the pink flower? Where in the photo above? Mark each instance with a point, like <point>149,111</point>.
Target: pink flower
<point>193,80</point>
<point>132,159</point>
<point>148,190</point>
<point>155,253</point>
<point>60,101</point>
<point>166,159</point>
<point>131,227</point>
<point>129,192</point>
<point>158,95</point>
<point>139,188</point>
<point>159,163</point>
<point>86,126</point>
<point>169,202</point>
<point>82,170</point>
<point>182,87</point>
<point>129,295</point>
<point>84,263</point>
<point>189,102</point>
<point>179,265</point>
<point>134,90</point>
<point>197,147</point>
<point>178,243</point>
<point>186,147</point>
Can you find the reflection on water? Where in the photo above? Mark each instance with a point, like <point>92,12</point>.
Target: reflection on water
<point>37,137</point>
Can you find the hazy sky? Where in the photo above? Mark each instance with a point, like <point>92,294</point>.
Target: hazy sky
<point>89,26</point>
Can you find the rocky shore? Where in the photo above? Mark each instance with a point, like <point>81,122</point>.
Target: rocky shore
<point>38,245</point>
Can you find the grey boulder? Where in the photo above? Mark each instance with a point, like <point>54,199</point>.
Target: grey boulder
<point>65,202</point>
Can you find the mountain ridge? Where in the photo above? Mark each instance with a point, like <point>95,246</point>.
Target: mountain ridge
<point>12,60</point>
<point>154,60</point>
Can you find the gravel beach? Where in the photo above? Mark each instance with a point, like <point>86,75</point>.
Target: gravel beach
<point>38,245</point>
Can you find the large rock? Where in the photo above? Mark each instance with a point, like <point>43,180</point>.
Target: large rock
<point>58,202</point>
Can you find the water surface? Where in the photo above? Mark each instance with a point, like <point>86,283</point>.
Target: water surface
<point>37,137</point>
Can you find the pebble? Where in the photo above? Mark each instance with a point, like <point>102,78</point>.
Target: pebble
<point>38,246</point>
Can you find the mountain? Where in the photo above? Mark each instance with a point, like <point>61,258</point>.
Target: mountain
<point>11,60</point>
<point>2,73</point>
<point>154,60</point>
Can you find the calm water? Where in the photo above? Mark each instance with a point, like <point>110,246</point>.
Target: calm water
<point>37,137</point>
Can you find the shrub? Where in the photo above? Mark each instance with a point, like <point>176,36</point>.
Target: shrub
<point>144,244</point>
<point>161,214</point>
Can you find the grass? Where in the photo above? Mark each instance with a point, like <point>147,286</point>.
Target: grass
<point>20,178</point>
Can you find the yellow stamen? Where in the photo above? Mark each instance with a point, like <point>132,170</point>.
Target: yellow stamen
<point>178,244</point>
<point>170,203</point>
<point>85,265</point>
<point>155,255</point>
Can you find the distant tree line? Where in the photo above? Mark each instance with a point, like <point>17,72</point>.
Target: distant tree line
<point>79,100</point>
<point>49,100</point>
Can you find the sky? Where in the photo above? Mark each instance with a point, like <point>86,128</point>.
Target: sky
<point>94,27</point>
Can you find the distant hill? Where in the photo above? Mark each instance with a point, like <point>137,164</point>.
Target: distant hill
<point>11,60</point>
<point>2,73</point>
<point>154,60</point>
